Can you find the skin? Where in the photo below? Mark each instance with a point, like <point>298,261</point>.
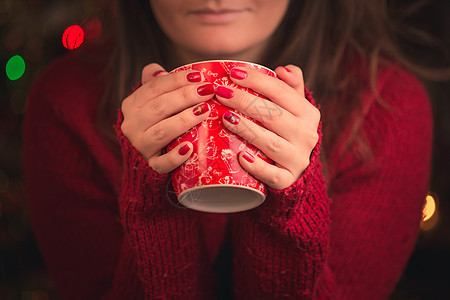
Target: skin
<point>242,35</point>
<point>162,108</point>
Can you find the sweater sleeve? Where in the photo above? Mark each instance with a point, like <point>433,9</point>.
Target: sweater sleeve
<point>166,238</point>
<point>352,238</point>
<point>100,240</point>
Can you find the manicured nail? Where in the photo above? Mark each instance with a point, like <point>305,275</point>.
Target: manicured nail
<point>230,117</point>
<point>224,92</point>
<point>248,157</point>
<point>200,109</point>
<point>157,73</point>
<point>183,150</point>
<point>194,77</point>
<point>206,89</point>
<point>238,74</point>
<point>287,69</point>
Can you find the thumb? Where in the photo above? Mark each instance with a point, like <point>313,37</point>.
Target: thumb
<point>293,76</point>
<point>151,71</point>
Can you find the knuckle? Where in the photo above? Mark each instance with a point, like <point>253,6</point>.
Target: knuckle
<point>125,105</point>
<point>187,92</point>
<point>150,89</point>
<point>124,127</point>
<point>158,133</point>
<point>243,101</point>
<point>138,143</point>
<point>303,162</point>
<point>158,107</point>
<point>184,120</point>
<point>313,138</point>
<point>316,115</point>
<point>274,145</point>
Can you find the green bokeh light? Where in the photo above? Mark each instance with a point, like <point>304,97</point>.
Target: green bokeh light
<point>15,67</point>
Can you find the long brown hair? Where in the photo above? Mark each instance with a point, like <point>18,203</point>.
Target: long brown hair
<point>339,44</point>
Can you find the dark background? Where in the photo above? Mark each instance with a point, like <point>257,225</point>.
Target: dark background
<point>34,28</point>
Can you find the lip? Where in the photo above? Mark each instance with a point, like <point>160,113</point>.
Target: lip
<point>210,16</point>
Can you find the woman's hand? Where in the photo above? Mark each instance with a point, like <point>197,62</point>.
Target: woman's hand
<point>161,109</point>
<point>291,121</point>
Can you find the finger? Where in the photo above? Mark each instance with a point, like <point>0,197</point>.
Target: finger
<point>271,115</point>
<point>163,84</point>
<point>275,89</point>
<point>167,162</point>
<point>271,144</point>
<point>272,175</point>
<point>173,102</point>
<point>151,71</point>
<point>162,133</point>
<point>293,76</point>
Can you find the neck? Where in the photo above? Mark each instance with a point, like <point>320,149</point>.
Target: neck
<point>184,56</point>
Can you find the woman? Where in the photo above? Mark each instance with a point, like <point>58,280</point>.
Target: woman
<point>345,197</point>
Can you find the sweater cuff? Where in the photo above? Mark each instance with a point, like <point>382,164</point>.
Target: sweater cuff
<point>140,183</point>
<point>280,205</point>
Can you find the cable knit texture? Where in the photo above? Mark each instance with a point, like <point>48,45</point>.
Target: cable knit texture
<point>107,229</point>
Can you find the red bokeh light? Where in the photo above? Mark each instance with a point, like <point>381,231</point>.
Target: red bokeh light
<point>73,37</point>
<point>92,28</point>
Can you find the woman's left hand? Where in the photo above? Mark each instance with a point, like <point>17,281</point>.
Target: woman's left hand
<point>290,120</point>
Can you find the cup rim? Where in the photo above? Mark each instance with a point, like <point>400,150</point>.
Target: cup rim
<point>223,60</point>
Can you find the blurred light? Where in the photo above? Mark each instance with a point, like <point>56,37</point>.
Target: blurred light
<point>15,67</point>
<point>73,37</point>
<point>430,213</point>
<point>92,28</point>
<point>429,208</point>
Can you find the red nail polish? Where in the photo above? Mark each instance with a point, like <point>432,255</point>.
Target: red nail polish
<point>289,71</point>
<point>224,92</point>
<point>201,109</point>
<point>194,77</point>
<point>231,117</point>
<point>238,74</point>
<point>183,150</point>
<point>248,157</point>
<point>206,89</point>
<point>157,73</point>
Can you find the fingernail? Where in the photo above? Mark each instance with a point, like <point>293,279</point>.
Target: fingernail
<point>201,109</point>
<point>224,92</point>
<point>248,157</point>
<point>157,73</point>
<point>183,150</point>
<point>238,74</point>
<point>194,77</point>
<point>230,117</point>
<point>206,89</point>
<point>287,69</point>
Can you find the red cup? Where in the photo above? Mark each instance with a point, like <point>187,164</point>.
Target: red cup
<point>212,180</point>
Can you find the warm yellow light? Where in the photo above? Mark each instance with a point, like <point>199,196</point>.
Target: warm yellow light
<point>429,208</point>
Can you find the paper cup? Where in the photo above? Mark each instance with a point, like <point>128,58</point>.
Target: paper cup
<point>212,180</point>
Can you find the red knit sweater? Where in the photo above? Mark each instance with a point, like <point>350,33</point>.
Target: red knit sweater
<point>106,228</point>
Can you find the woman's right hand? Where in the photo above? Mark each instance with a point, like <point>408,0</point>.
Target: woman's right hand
<point>161,109</point>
